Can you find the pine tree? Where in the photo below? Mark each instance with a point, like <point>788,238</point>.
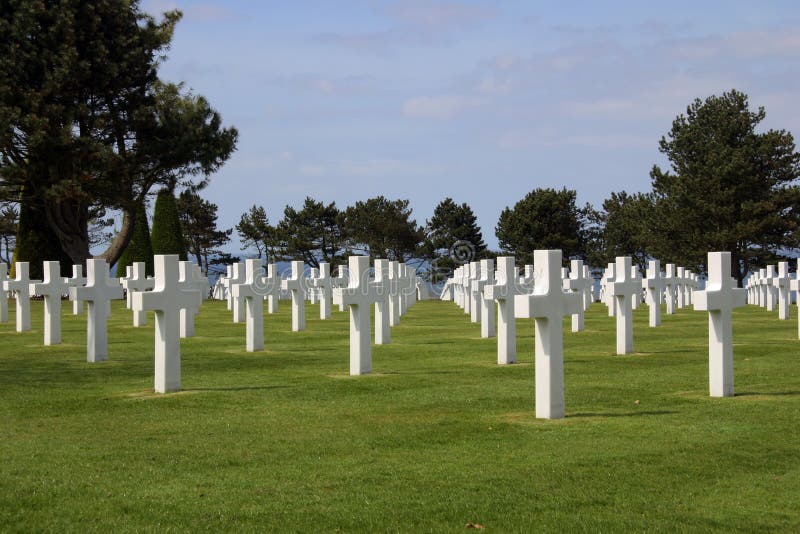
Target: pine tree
<point>167,236</point>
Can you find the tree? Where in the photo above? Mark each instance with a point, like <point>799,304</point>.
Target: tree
<point>729,188</point>
<point>453,238</point>
<point>167,235</point>
<point>84,121</point>
<point>9,215</point>
<point>199,225</point>
<point>543,219</point>
<point>139,247</point>
<point>383,228</point>
<point>624,229</point>
<point>36,247</point>
<point>255,231</point>
<point>312,234</point>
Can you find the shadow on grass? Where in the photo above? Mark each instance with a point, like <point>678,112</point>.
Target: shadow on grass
<point>239,388</point>
<point>626,414</point>
<point>771,394</point>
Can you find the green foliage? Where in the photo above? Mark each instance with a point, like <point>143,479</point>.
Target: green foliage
<point>198,219</point>
<point>730,187</point>
<point>85,122</point>
<point>139,248</point>
<point>543,219</point>
<point>9,217</point>
<point>255,231</point>
<point>624,224</point>
<point>312,234</point>
<point>383,228</point>
<point>438,436</point>
<point>35,243</point>
<point>453,228</point>
<point>167,235</point>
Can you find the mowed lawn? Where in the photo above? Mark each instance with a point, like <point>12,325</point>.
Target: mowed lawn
<point>437,437</point>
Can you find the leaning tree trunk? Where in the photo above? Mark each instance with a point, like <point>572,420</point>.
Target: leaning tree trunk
<point>123,237</point>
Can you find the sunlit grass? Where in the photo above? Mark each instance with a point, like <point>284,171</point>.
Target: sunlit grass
<point>439,436</point>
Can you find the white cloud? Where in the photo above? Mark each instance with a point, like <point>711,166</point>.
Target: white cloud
<point>439,107</point>
<point>437,15</point>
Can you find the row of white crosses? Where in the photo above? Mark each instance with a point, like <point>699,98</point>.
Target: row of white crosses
<point>765,288</point>
<point>392,291</point>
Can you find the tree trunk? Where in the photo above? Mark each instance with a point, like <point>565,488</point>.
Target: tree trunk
<point>123,237</point>
<point>69,219</point>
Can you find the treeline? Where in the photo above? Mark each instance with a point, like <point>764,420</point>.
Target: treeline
<point>729,188</point>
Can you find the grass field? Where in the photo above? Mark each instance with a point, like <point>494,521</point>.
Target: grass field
<point>437,437</point>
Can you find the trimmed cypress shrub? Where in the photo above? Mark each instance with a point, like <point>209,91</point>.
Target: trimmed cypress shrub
<point>167,237</point>
<point>139,248</point>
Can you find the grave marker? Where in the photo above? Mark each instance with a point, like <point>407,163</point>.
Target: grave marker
<point>719,299</point>
<point>21,286</point>
<point>503,290</point>
<point>166,299</point>
<point>250,292</point>
<point>359,295</point>
<point>98,292</point>
<point>654,283</point>
<point>547,306</point>
<point>51,288</point>
<point>296,286</point>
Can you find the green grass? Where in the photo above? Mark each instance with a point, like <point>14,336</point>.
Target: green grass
<point>437,437</point>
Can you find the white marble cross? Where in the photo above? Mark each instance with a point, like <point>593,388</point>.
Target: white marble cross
<point>578,283</point>
<point>474,295</point>
<point>190,278</point>
<point>547,306</point>
<point>654,283</point>
<point>3,293</point>
<point>21,287</point>
<point>406,286</point>
<point>680,287</point>
<point>636,276</point>
<point>98,292</point>
<point>360,295</point>
<point>324,290</point>
<point>609,276</point>
<point>237,277</point>
<point>250,291</point>
<point>466,281</point>
<point>77,280</point>
<point>296,285</point>
<point>341,280</point>
<point>166,299</point>
<point>588,294</point>
<point>137,281</point>
<point>272,288</point>
<point>719,299</point>
<point>51,288</point>
<point>503,290</point>
<point>383,334</point>
<point>623,289</point>
<point>769,289</point>
<point>670,286</point>
<point>794,285</point>
<point>394,292</point>
<point>311,290</point>
<point>486,313</point>
<point>226,283</point>
<point>782,284</point>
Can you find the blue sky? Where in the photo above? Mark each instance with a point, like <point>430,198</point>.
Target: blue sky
<point>481,101</point>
